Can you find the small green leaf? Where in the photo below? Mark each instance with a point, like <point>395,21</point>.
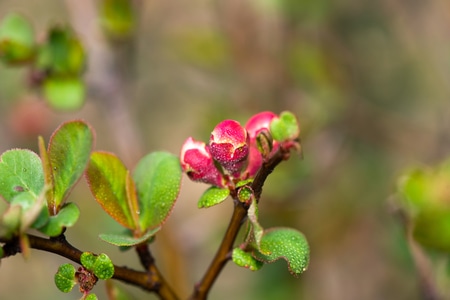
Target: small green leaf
<point>431,228</point>
<point>244,182</point>
<point>117,18</point>
<point>91,297</point>
<point>68,152</point>
<point>106,176</point>
<point>127,240</point>
<point>286,243</point>
<point>64,93</point>
<point>34,213</point>
<point>425,197</point>
<point>62,54</point>
<point>246,260</point>
<point>20,172</point>
<point>245,194</point>
<point>88,259</point>
<point>16,39</point>
<point>10,221</point>
<point>158,178</point>
<point>213,196</point>
<point>65,278</point>
<point>66,217</point>
<point>103,267</point>
<point>257,230</point>
<point>285,127</point>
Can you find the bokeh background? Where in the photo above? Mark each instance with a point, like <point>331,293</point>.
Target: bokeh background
<point>368,81</point>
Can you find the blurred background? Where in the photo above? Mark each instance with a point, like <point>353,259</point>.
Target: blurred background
<point>368,81</point>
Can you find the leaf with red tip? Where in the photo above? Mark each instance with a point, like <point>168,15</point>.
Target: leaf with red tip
<point>68,154</point>
<point>107,179</point>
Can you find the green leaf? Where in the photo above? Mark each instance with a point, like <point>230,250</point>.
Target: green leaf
<point>246,260</point>
<point>117,18</point>
<point>286,243</point>
<point>244,182</point>
<point>65,278</point>
<point>16,39</point>
<point>10,221</point>
<point>106,176</point>
<point>431,228</point>
<point>88,259</point>
<point>20,172</point>
<point>68,153</point>
<point>257,230</point>
<point>66,217</point>
<point>34,211</point>
<point>62,54</point>
<point>414,188</point>
<point>425,198</point>
<point>127,240</point>
<point>158,179</point>
<point>103,267</point>
<point>91,297</point>
<point>285,127</point>
<point>213,196</point>
<point>64,93</point>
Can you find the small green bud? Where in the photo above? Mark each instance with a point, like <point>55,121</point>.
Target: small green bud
<point>285,127</point>
<point>64,93</point>
<point>88,259</point>
<point>16,39</point>
<point>264,141</point>
<point>103,267</point>
<point>245,194</point>
<point>246,260</point>
<point>65,278</point>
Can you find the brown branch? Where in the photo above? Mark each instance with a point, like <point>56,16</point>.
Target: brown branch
<point>147,261</point>
<point>239,214</point>
<point>151,281</point>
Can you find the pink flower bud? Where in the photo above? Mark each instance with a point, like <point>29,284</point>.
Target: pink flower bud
<point>198,164</point>
<point>229,146</point>
<point>258,124</point>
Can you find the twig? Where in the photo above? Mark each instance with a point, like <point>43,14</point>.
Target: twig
<point>164,290</point>
<point>222,256</point>
<point>151,281</point>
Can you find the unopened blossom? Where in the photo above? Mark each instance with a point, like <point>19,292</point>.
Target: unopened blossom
<point>259,124</point>
<point>197,162</point>
<point>229,146</point>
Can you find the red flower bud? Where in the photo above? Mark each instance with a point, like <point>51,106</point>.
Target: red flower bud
<point>259,124</point>
<point>229,146</point>
<point>198,164</point>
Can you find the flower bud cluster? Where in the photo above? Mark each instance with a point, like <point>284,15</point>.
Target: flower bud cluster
<point>234,153</point>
